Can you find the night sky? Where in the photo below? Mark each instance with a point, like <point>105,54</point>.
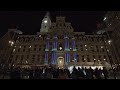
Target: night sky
<point>82,21</point>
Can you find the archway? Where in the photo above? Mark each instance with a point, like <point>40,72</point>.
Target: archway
<point>60,62</point>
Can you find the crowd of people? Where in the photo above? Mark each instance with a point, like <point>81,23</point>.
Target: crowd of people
<point>55,73</point>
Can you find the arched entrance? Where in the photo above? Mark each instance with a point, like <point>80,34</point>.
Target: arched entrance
<point>60,62</point>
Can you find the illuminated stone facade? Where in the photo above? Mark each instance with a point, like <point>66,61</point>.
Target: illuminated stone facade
<point>112,19</point>
<point>59,45</point>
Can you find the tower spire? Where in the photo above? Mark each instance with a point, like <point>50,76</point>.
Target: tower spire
<point>46,23</point>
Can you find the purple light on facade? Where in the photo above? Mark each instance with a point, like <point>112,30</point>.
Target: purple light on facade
<point>74,57</point>
<point>65,59</point>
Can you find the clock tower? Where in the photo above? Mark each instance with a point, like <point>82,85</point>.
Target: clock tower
<point>46,23</point>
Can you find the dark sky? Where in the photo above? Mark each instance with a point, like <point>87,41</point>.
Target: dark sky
<point>85,21</point>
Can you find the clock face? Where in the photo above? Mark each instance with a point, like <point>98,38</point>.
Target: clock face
<point>45,21</point>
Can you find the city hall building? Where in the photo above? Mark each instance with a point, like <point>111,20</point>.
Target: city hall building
<point>55,44</point>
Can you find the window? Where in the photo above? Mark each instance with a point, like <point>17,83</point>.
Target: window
<point>97,50</point>
<point>16,57</point>
<point>24,46</point>
<point>99,56</point>
<point>83,60</point>
<point>88,59</point>
<point>80,45</point>
<point>104,56</point>
<point>93,56</point>
<point>77,58</point>
<point>29,50</point>
<point>81,49</point>
<point>27,56</point>
<point>33,55</point>
<point>22,58</point>
<point>19,50</point>
<point>39,49</point>
<point>23,50</point>
<point>34,49</point>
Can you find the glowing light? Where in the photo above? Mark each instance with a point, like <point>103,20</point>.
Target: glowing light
<point>12,42</point>
<point>14,46</point>
<point>85,45</point>
<point>104,18</point>
<point>45,21</point>
<point>39,35</point>
<point>60,48</point>
<point>104,59</point>
<point>26,61</point>
<point>70,48</point>
<point>13,50</point>
<point>9,41</point>
<point>101,46</point>
<point>109,41</point>
<point>60,61</point>
<point>94,59</point>
<point>84,58</point>
<point>30,47</point>
<point>20,47</point>
<point>107,50</point>
<point>86,49</point>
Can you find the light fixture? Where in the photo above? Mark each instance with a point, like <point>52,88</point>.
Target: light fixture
<point>105,18</point>
<point>85,45</point>
<point>101,46</point>
<point>30,47</point>
<point>26,61</point>
<point>9,41</point>
<point>13,50</point>
<point>39,35</point>
<point>20,47</point>
<point>94,59</point>
<point>60,48</point>
<point>86,49</point>
<point>104,59</point>
<point>109,41</point>
<point>45,21</point>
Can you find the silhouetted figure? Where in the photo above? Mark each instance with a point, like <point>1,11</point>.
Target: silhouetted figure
<point>97,73</point>
<point>105,72</point>
<point>80,73</point>
<point>91,73</point>
<point>62,75</point>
